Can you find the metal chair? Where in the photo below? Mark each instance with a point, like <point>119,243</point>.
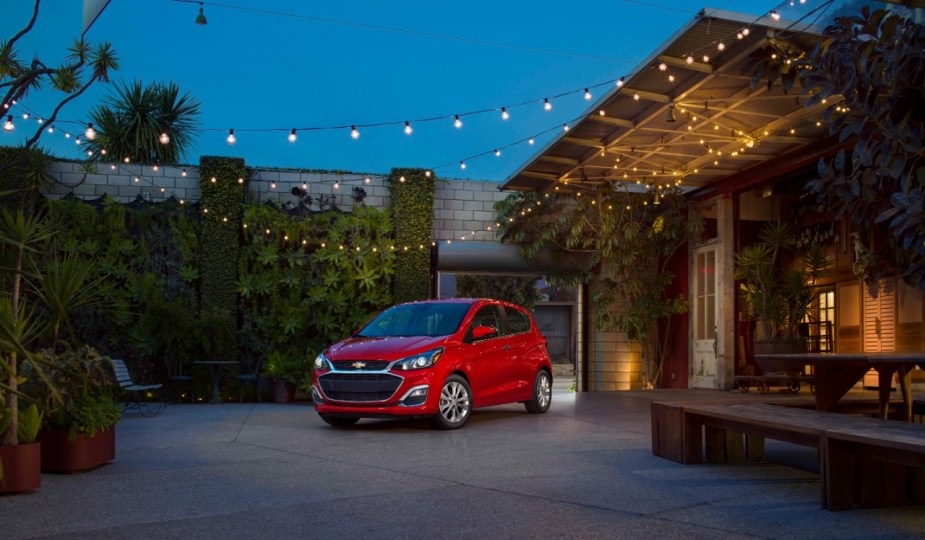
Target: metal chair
<point>178,380</point>
<point>250,378</point>
<point>138,393</point>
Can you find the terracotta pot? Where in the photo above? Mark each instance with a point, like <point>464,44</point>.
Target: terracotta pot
<point>777,365</point>
<point>83,453</point>
<point>283,391</point>
<point>21,467</point>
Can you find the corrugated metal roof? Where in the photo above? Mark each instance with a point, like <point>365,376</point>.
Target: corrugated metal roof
<point>720,124</point>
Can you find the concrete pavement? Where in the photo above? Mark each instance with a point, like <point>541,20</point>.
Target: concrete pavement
<point>583,470</point>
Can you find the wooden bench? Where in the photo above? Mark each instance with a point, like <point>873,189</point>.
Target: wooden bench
<point>864,461</point>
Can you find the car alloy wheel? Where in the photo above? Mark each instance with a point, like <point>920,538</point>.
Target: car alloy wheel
<point>455,405</point>
<point>542,394</point>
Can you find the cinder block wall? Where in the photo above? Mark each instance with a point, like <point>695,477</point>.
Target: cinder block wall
<point>462,208</point>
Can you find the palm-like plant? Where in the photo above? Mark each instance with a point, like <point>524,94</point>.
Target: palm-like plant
<point>132,123</point>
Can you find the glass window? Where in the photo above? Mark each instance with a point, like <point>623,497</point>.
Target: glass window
<point>518,322</point>
<point>416,320</point>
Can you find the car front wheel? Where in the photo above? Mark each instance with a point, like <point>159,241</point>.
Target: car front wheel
<point>338,421</point>
<point>455,403</point>
<point>542,394</point>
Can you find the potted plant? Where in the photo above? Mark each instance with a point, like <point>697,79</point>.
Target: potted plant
<point>284,370</point>
<point>80,419</point>
<point>24,472</point>
<point>778,294</point>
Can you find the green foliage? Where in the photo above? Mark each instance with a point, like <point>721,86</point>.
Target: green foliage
<point>874,62</point>
<point>775,293</point>
<point>85,402</point>
<point>24,173</point>
<point>130,123</point>
<point>300,288</point>
<point>622,242</point>
<point>30,421</point>
<point>520,290</point>
<point>412,218</point>
<point>280,366</point>
<point>222,203</point>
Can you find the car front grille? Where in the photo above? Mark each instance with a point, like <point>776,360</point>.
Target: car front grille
<point>355,365</point>
<point>359,387</point>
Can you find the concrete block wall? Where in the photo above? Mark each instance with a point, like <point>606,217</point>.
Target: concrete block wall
<point>615,362</point>
<point>462,208</point>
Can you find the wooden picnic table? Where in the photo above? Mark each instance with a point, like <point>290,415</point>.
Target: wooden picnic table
<point>836,373</point>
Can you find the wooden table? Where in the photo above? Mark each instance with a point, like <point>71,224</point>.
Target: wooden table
<point>216,366</point>
<point>836,373</point>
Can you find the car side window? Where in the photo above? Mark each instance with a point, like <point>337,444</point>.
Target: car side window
<point>518,322</point>
<point>487,316</point>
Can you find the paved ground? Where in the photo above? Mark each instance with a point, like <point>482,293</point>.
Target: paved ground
<point>583,470</point>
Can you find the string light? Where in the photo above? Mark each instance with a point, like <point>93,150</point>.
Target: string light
<point>457,123</point>
<point>546,104</point>
<point>587,95</point>
<point>164,138</point>
<point>292,136</point>
<point>408,129</point>
<point>8,125</point>
<point>775,15</point>
<point>620,82</point>
<point>231,138</point>
<point>504,113</point>
<point>90,133</point>
<point>354,133</point>
<point>497,152</point>
<point>462,165</point>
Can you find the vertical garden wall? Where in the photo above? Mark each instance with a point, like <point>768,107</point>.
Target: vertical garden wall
<point>413,193</point>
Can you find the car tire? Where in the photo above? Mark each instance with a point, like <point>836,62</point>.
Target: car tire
<point>542,394</point>
<point>339,421</point>
<point>455,405</point>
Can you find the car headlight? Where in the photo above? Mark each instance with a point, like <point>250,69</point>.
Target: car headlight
<point>419,361</point>
<point>322,363</point>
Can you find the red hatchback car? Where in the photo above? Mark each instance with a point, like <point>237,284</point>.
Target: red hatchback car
<point>437,358</point>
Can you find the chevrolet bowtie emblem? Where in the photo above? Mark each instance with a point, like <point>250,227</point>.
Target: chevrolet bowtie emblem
<point>358,365</point>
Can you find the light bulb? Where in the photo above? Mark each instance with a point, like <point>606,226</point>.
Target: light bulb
<point>745,31</point>
<point>565,127</point>
<point>587,95</point>
<point>67,135</point>
<point>457,123</point>
<point>354,132</point>
<point>292,136</point>
<point>231,138</point>
<point>775,15</point>
<point>77,141</point>
<point>602,112</point>
<point>531,141</point>
<point>336,184</point>
<point>103,151</point>
<point>663,66</point>
<point>90,133</point>
<point>635,96</point>
<point>408,129</point>
<point>546,104</point>
<point>462,165</point>
<point>706,58</point>
<point>8,125</point>
<point>164,138</point>
<point>670,78</point>
<point>51,129</point>
<point>498,152</point>
<point>427,173</point>
<point>620,82</point>
<point>721,46</point>
<point>366,180</point>
<point>504,114</point>
<point>183,174</point>
<point>40,121</point>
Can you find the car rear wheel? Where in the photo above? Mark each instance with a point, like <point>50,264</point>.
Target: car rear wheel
<point>339,421</point>
<point>455,403</point>
<point>542,394</point>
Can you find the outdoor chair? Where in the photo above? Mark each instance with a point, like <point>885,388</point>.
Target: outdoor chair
<point>178,380</point>
<point>138,393</point>
<point>251,378</point>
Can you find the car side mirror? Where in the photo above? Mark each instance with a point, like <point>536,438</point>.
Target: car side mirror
<point>480,332</point>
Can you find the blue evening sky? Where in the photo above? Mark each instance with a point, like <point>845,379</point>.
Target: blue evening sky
<point>253,70</point>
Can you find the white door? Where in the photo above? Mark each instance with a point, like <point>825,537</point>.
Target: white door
<point>704,361</point>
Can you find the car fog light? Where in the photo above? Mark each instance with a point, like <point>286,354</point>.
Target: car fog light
<point>415,396</point>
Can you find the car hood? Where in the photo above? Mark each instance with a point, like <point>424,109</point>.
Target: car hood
<point>383,348</point>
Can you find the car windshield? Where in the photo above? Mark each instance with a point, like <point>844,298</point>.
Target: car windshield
<point>416,320</point>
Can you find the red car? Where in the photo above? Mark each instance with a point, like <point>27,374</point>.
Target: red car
<point>437,358</point>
